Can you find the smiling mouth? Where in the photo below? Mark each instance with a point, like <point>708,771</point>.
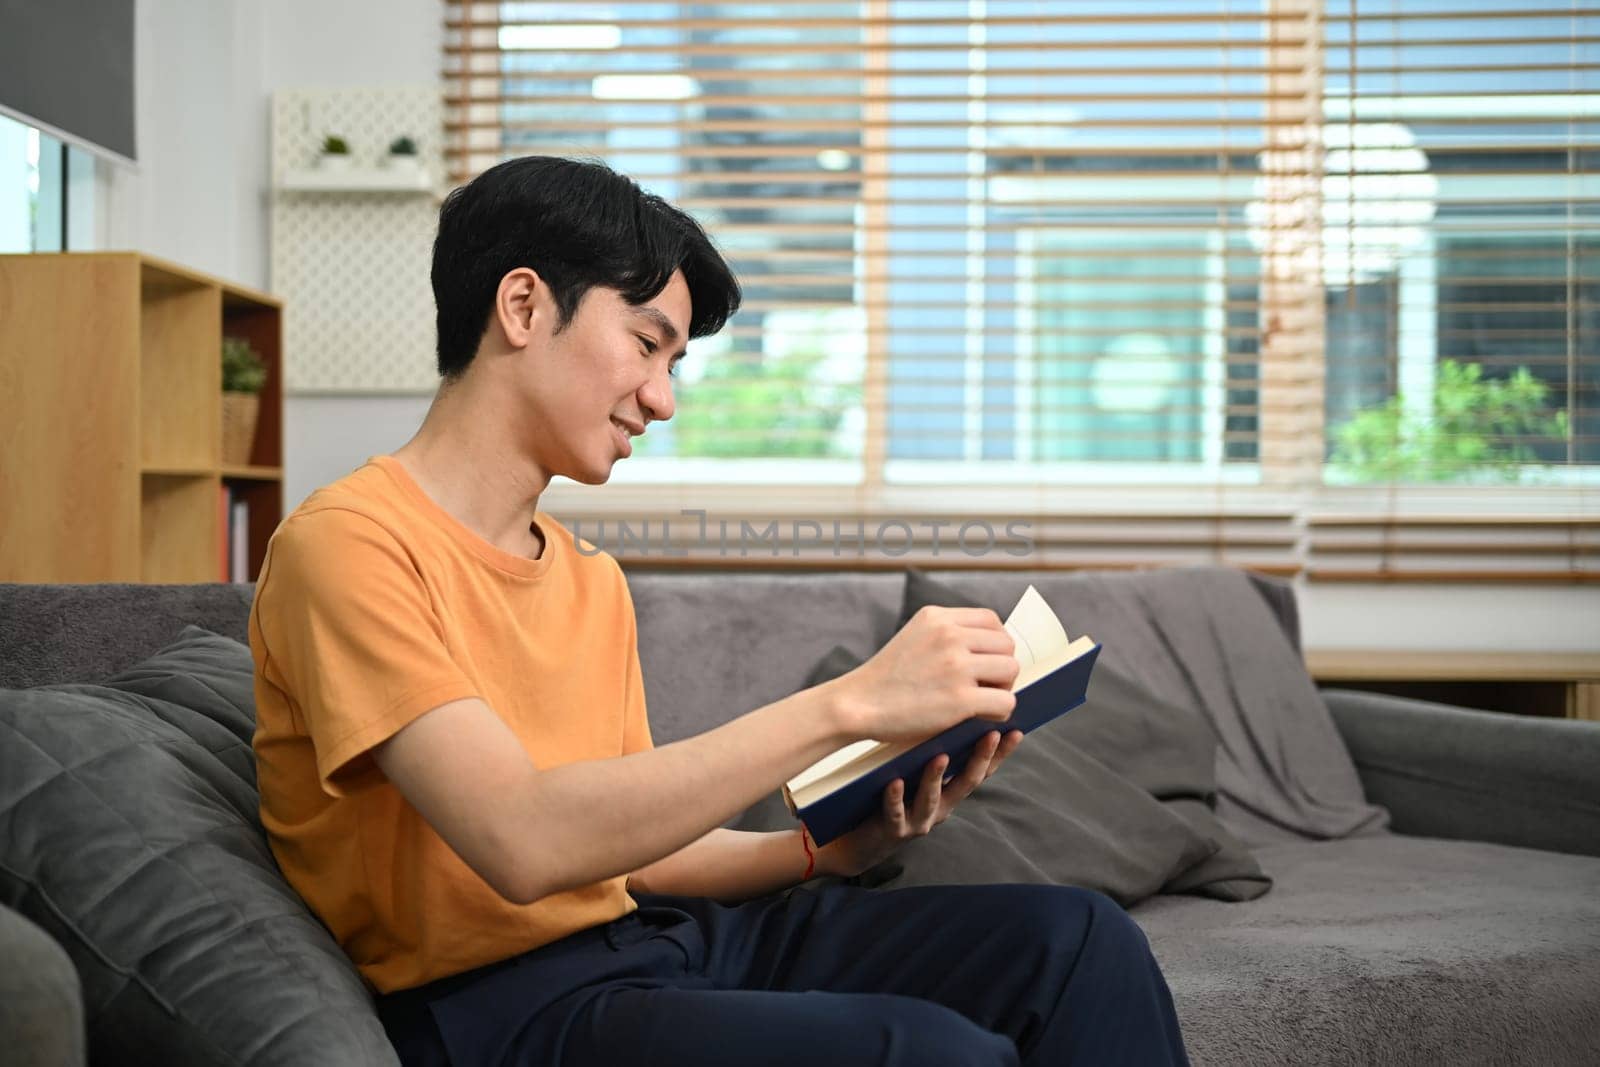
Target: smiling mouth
<point>625,435</point>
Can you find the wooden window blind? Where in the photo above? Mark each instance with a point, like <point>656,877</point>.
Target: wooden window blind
<point>1461,280</point>
<point>1175,280</point>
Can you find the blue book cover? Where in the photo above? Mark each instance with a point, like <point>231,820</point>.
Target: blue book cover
<point>1039,702</point>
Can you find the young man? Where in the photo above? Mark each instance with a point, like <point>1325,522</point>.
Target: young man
<point>455,767</point>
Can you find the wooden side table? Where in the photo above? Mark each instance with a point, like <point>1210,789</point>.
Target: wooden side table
<point>1556,684</point>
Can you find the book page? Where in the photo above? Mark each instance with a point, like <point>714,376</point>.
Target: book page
<point>830,763</point>
<point>1039,635</point>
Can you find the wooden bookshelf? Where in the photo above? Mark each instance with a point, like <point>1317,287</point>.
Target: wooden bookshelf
<point>111,419</point>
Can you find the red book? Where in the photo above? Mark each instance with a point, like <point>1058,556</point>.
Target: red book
<point>224,540</point>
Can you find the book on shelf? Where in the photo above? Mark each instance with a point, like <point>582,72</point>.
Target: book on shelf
<point>234,524</point>
<point>224,517</point>
<point>239,540</point>
<point>840,791</point>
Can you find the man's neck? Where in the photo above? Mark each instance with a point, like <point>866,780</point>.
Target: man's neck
<point>461,463</point>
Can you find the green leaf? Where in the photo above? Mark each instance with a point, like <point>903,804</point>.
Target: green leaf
<point>242,370</point>
<point>1477,428</point>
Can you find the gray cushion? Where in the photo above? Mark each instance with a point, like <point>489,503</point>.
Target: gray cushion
<point>1078,804</point>
<point>1167,751</point>
<point>1215,639</point>
<point>41,1005</point>
<point>1393,950</point>
<point>1053,815</point>
<point>129,831</point>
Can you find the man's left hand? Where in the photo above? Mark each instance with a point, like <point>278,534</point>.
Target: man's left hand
<point>897,822</point>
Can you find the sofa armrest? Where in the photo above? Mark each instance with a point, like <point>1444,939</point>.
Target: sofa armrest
<point>41,1001</point>
<point>1444,771</point>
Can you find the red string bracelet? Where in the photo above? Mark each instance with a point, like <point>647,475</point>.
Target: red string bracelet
<point>811,858</point>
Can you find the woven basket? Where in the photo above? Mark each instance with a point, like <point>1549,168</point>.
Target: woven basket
<point>239,414</point>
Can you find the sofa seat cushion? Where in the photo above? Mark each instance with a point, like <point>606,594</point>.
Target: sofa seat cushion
<point>129,832</point>
<point>1391,949</point>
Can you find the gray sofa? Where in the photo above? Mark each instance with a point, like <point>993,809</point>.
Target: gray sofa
<point>1459,922</point>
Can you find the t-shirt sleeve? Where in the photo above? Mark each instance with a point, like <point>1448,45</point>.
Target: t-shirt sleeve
<point>635,722</point>
<point>351,636</point>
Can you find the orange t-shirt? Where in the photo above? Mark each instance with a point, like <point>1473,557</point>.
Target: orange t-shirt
<point>374,606</point>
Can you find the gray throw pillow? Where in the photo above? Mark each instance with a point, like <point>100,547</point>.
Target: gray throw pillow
<point>1167,751</point>
<point>1116,795</point>
<point>129,831</point>
<point>1053,815</point>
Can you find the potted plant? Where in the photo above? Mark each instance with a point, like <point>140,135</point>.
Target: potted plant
<point>335,153</point>
<point>402,154</point>
<point>243,375</point>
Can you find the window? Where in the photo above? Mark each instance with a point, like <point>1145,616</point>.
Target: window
<point>46,192</point>
<point>1460,242</point>
<point>1240,261</point>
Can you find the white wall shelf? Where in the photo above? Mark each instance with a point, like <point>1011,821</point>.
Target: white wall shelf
<point>351,245</point>
<point>413,180</point>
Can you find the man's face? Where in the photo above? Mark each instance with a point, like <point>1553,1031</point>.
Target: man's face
<point>600,381</point>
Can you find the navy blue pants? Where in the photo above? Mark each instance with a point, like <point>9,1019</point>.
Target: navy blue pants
<point>959,975</point>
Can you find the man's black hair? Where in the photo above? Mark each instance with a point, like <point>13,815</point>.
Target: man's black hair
<point>578,224</point>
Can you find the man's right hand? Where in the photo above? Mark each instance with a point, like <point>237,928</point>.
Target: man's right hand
<point>944,666</point>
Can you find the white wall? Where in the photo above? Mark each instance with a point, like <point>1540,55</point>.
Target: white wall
<point>333,435</point>
<point>331,43</point>
<point>198,194</point>
<point>1360,615</point>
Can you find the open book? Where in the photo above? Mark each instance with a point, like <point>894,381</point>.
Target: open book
<point>838,792</point>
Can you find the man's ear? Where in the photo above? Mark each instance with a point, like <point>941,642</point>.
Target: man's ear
<point>520,304</point>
